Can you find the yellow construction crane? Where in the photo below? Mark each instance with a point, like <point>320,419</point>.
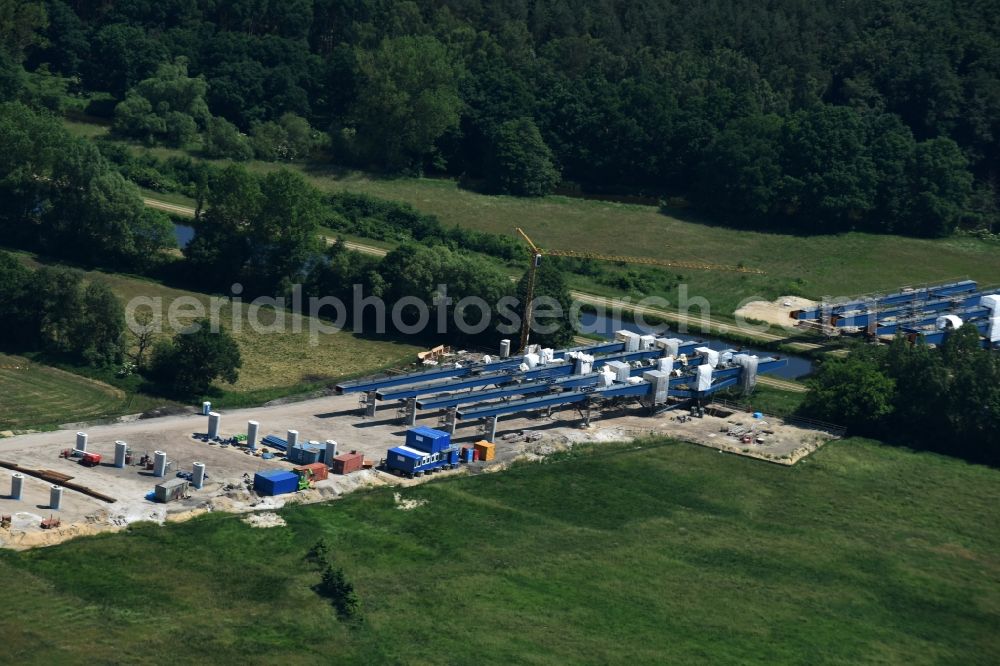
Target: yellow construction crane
<point>536,260</point>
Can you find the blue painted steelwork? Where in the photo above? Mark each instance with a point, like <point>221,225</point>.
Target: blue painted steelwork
<point>863,319</point>
<point>889,328</point>
<point>275,442</point>
<point>721,379</point>
<point>541,372</point>
<point>369,384</point>
<point>611,351</point>
<point>882,302</point>
<point>724,384</point>
<point>485,379</point>
<point>526,388</point>
<point>938,337</point>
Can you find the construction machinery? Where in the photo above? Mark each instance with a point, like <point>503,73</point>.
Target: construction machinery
<point>536,259</point>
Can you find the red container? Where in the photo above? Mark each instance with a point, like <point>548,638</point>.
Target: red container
<point>90,459</point>
<point>346,463</point>
<point>314,471</point>
<point>475,455</point>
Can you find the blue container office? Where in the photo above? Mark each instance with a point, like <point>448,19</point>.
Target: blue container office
<point>275,482</point>
<point>410,461</point>
<point>427,439</point>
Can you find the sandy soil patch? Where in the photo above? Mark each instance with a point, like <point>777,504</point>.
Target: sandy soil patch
<point>264,520</point>
<point>776,312</point>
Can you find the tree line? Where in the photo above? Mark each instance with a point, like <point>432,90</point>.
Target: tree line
<point>945,400</point>
<point>264,232</point>
<point>59,313</point>
<point>812,117</point>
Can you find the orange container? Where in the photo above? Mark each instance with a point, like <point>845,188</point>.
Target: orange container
<point>314,471</point>
<point>486,450</point>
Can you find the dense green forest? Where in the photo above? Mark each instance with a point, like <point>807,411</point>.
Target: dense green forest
<point>810,116</point>
<point>945,400</point>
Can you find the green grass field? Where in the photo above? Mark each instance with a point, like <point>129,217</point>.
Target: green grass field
<point>271,361</point>
<point>33,395</point>
<point>666,553</point>
<point>274,364</point>
<point>816,266</point>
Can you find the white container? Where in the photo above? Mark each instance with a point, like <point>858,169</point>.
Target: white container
<point>206,407</point>
<point>621,370</point>
<point>252,428</point>
<point>704,377</point>
<point>81,441</point>
<point>293,439</point>
<point>711,356</point>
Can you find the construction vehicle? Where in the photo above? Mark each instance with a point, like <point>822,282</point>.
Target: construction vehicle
<point>536,260</point>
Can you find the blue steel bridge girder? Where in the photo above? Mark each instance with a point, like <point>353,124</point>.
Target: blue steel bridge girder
<point>536,386</point>
<point>467,397</point>
<point>953,304</point>
<point>408,390</point>
<point>485,379</point>
<point>914,296</point>
<point>721,379</point>
<point>889,328</point>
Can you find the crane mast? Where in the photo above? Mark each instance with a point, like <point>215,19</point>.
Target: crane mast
<point>536,260</point>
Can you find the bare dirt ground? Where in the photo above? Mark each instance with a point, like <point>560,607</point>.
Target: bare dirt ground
<point>776,312</point>
<point>318,419</point>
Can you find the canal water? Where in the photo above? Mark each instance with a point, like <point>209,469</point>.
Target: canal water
<point>183,233</point>
<point>798,366</point>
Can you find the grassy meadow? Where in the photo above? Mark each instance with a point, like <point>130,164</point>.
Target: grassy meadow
<point>274,364</point>
<point>652,553</point>
<point>811,266</point>
<point>33,395</point>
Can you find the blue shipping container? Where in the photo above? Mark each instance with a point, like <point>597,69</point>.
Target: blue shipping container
<point>427,439</point>
<point>275,482</point>
<point>303,454</point>
<point>412,461</point>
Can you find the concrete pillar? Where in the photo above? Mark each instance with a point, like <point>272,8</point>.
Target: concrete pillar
<point>331,453</point>
<point>292,438</point>
<point>252,428</point>
<point>159,463</point>
<point>371,401</point>
<point>491,427</point>
<point>121,448</point>
<point>213,424</point>
<point>81,441</point>
<point>504,348</point>
<point>198,474</point>
<point>411,412</point>
<point>16,486</point>
<point>451,419</point>
<point>55,497</point>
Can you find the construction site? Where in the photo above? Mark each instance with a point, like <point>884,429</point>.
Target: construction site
<point>466,413</point>
<point>929,313</point>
